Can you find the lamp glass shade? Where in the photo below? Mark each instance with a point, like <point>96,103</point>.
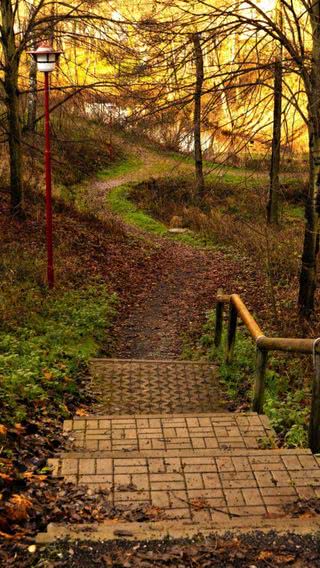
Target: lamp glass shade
<point>46,66</point>
<point>46,58</point>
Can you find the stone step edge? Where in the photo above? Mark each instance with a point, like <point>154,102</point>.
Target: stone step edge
<point>168,415</point>
<point>212,452</point>
<point>175,529</point>
<point>154,361</point>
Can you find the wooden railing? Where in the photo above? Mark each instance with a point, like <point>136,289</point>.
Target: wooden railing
<point>237,309</point>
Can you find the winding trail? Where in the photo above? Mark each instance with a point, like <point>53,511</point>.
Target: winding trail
<point>179,281</point>
<point>161,446</point>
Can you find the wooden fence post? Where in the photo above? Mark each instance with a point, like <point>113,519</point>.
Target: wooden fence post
<point>219,321</point>
<point>261,366</point>
<point>314,425</point>
<point>232,329</point>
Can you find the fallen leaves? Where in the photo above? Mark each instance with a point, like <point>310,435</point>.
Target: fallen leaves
<point>3,430</point>
<point>48,375</point>
<point>304,508</point>
<point>278,559</point>
<point>199,503</point>
<point>17,508</point>
<point>5,478</point>
<point>81,412</point>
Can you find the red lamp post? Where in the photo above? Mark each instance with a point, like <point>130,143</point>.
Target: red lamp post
<point>46,59</point>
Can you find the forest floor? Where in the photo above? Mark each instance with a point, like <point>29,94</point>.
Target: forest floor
<point>176,294</point>
<point>164,287</point>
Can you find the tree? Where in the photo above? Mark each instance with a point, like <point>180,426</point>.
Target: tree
<point>274,191</point>
<point>21,27</point>
<point>198,56</point>
<point>300,41</point>
<point>10,67</point>
<point>32,96</point>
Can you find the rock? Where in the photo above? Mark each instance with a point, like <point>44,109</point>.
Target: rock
<point>122,532</point>
<point>176,222</point>
<point>178,230</point>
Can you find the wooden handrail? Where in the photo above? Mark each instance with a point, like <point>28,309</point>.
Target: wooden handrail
<point>237,308</point>
<point>246,317</point>
<point>289,344</point>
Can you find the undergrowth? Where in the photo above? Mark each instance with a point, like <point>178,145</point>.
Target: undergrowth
<point>232,218</point>
<point>119,202</point>
<point>121,167</point>
<point>287,394</point>
<point>43,355</point>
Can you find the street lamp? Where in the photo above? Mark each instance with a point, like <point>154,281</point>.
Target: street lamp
<point>46,58</point>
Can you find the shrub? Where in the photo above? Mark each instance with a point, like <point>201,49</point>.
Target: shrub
<point>42,358</point>
<point>287,396</point>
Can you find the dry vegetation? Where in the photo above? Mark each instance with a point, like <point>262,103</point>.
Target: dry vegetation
<point>232,216</point>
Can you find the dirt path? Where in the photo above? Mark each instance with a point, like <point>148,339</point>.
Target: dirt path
<point>171,306</point>
<point>179,282</point>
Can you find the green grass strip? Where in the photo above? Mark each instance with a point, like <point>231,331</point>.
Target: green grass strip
<point>119,203</point>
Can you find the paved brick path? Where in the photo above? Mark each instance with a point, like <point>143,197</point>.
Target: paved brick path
<point>201,487</point>
<point>205,468</point>
<point>145,432</point>
<point>155,387</point>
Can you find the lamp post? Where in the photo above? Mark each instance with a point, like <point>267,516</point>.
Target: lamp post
<point>46,59</point>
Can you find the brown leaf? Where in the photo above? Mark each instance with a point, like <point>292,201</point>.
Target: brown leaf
<point>19,429</point>
<point>34,477</point>
<point>3,430</point>
<point>81,412</point>
<point>6,478</point>
<point>283,559</point>
<point>307,515</point>
<point>17,508</point>
<point>265,555</point>
<point>199,503</point>
<point>5,535</point>
<point>48,375</point>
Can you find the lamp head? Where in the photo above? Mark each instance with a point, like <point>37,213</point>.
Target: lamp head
<point>46,57</point>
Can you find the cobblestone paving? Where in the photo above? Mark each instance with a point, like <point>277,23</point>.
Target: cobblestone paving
<point>163,446</point>
<point>201,487</point>
<point>175,432</point>
<point>155,387</point>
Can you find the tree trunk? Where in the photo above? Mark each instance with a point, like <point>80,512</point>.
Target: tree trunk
<point>11,61</point>
<point>32,97</point>
<point>198,55</point>
<point>274,191</point>
<point>308,275</point>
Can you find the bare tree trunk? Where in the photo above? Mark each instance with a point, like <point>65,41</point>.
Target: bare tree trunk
<point>274,190</point>
<point>32,97</point>
<point>11,61</point>
<point>198,55</point>
<point>308,275</point>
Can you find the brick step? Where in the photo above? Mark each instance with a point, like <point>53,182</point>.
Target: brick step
<point>125,386</point>
<point>199,487</point>
<point>172,432</point>
<point>159,530</point>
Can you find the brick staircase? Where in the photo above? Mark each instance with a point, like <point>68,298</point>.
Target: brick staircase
<point>161,442</point>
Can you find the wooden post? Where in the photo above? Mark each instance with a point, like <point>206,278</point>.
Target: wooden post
<point>219,321</point>
<point>232,329</point>
<point>261,366</point>
<point>314,425</point>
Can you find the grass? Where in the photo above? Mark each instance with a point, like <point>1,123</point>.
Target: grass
<point>43,356</point>
<point>294,211</point>
<point>120,168</point>
<point>287,397</point>
<point>119,202</point>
